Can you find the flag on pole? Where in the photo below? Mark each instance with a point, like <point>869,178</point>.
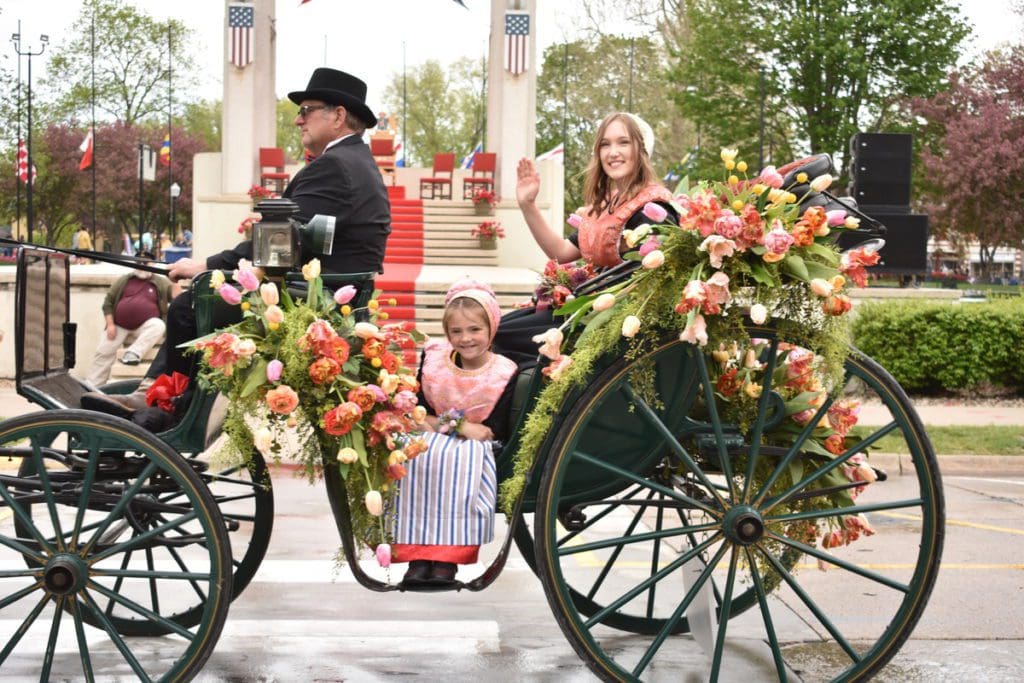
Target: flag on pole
<point>165,150</point>
<point>517,39</point>
<point>467,161</point>
<point>86,149</point>
<point>240,33</point>
<point>557,153</point>
<point>22,164</point>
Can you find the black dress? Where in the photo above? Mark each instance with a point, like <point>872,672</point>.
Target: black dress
<point>517,329</point>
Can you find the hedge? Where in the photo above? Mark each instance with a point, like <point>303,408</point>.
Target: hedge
<point>933,347</point>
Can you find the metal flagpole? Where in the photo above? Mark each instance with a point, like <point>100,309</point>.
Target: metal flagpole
<point>93,127</point>
<point>170,141</point>
<point>405,138</point>
<point>17,180</point>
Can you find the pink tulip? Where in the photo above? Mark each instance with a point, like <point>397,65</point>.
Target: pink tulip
<point>835,217</point>
<point>556,369</point>
<point>630,326</point>
<point>274,369</point>
<point>604,302</point>
<point>649,246</point>
<point>653,260</point>
<point>758,314</point>
<point>575,220</point>
<point>230,294</point>
<point>374,504</point>
<point>656,212</point>
<point>268,292</point>
<point>274,314</point>
<point>770,177</point>
<point>247,279</point>
<point>550,343</point>
<point>696,332</point>
<point>384,555</point>
<point>717,248</point>
<point>344,294</point>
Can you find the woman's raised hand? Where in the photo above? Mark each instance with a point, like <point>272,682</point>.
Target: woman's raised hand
<point>527,182</point>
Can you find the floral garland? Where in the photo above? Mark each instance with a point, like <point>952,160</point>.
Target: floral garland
<point>310,372</point>
<point>743,247</point>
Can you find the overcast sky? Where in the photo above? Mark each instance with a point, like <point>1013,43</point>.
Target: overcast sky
<point>366,37</point>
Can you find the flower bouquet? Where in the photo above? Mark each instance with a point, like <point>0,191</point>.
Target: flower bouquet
<point>488,232</point>
<point>484,201</point>
<point>744,249</point>
<point>317,373</point>
<point>559,280</point>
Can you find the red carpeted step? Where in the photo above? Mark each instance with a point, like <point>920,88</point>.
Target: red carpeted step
<point>396,192</point>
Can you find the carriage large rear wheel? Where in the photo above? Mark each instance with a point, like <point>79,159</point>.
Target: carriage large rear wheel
<point>112,527</point>
<point>648,509</point>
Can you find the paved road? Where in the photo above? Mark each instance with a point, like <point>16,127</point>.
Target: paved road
<point>300,622</point>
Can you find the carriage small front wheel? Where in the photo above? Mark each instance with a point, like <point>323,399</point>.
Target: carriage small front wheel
<point>647,509</point>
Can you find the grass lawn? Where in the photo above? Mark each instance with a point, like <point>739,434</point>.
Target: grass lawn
<point>960,440</point>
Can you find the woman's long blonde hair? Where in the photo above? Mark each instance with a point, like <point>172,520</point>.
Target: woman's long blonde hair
<point>597,186</point>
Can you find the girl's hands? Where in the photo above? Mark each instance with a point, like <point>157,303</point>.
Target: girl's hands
<point>527,182</point>
<point>476,431</point>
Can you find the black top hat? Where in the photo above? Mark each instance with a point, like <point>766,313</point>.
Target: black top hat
<point>337,87</point>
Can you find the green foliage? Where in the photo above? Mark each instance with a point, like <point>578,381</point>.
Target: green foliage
<point>289,137</point>
<point>830,68</point>
<point>582,82</point>
<point>439,109</point>
<point>932,347</point>
<point>132,56</point>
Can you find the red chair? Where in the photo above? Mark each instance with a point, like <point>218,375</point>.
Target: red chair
<point>273,157</point>
<point>443,164</point>
<point>383,151</point>
<point>482,178</point>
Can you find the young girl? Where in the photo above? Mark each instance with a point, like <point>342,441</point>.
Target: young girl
<point>446,501</point>
<point>620,181</point>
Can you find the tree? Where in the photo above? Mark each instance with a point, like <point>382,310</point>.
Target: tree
<point>974,168</point>
<point>203,120</point>
<point>131,66</point>
<point>445,108</point>
<point>582,82</point>
<point>831,68</point>
<point>289,137</point>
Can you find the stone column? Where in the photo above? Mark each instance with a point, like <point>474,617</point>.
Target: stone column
<point>511,100</point>
<point>249,118</point>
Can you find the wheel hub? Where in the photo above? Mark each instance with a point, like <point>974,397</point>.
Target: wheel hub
<point>744,525</point>
<point>64,574</point>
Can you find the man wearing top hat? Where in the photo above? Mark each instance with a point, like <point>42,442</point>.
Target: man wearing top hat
<point>342,181</point>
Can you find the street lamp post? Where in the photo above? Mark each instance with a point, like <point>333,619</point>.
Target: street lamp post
<point>16,39</point>
<point>760,134</point>
<point>175,193</point>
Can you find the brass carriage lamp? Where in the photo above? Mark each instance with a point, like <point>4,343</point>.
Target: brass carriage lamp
<point>278,238</point>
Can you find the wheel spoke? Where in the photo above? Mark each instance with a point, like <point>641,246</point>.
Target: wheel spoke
<point>23,628</point>
<point>811,605</point>
<point>83,501</point>
<point>848,566</point>
<point>145,536</point>
<point>18,573</point>
<point>766,615</point>
<point>716,422</point>
<point>828,467</point>
<point>51,643</point>
<point>120,580</point>
<point>18,595</point>
<point>44,481</point>
<point>677,614</point>
<point>643,481</point>
<point>655,553</point>
<point>136,607</point>
<point>762,412</point>
<point>677,448</point>
<point>26,519</point>
<point>610,508</point>
<point>638,538</point>
<point>181,563</point>
<point>804,434</point>
<point>126,497</point>
<point>842,512</point>
<point>83,644</point>
<point>150,574</point>
<point>643,585</point>
<point>154,597</point>
<point>116,638</point>
<point>730,584</point>
<point>615,553</point>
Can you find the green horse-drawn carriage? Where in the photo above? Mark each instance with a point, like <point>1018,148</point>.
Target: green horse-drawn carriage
<point>663,534</point>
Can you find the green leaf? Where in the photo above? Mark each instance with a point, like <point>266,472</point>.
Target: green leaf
<point>761,273</point>
<point>359,444</point>
<point>795,266</point>
<point>256,378</point>
<point>801,402</point>
<point>820,270</point>
<point>824,251</point>
<point>595,323</point>
<point>570,307</point>
<point>344,468</point>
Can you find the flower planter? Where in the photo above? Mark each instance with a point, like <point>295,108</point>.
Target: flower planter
<point>483,209</point>
<point>488,242</point>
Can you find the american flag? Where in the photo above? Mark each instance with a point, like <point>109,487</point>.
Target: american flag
<point>23,164</point>
<point>517,39</point>
<point>240,22</point>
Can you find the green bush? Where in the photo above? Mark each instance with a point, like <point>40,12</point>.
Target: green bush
<point>932,347</point>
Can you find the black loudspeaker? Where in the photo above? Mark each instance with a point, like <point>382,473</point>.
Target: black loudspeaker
<point>880,169</point>
<point>906,243</point>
